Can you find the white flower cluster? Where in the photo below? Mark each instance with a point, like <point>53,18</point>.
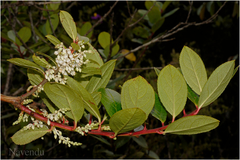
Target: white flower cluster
<point>39,89</point>
<point>86,128</point>
<point>36,123</point>
<point>57,116</point>
<point>27,101</point>
<point>68,62</point>
<point>64,140</point>
<point>106,128</point>
<point>20,117</point>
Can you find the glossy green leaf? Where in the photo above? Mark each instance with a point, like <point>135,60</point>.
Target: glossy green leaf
<point>121,141</point>
<point>94,56</point>
<point>137,92</point>
<point>104,39</point>
<point>126,120</point>
<point>192,125</point>
<point>11,35</point>
<point>25,63</point>
<point>141,141</point>
<point>68,24</point>
<point>165,5</point>
<point>23,137</point>
<point>158,110</point>
<point>235,70</point>
<point>101,82</point>
<point>40,61</point>
<point>53,39</point>
<point>34,76</point>
<point>193,69</point>
<point>25,34</point>
<point>115,50</point>
<point>43,49</point>
<point>65,97</point>
<point>111,100</point>
<point>143,12</point>
<point>172,90</point>
<point>92,70</point>
<point>54,6</point>
<point>154,15</point>
<point>85,28</point>
<point>89,103</point>
<point>55,21</point>
<point>216,83</point>
<point>141,32</point>
<point>50,105</point>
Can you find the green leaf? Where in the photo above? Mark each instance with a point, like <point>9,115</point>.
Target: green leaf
<point>170,13</point>
<point>50,105</point>
<point>43,48</point>
<point>53,39</point>
<point>194,97</point>
<point>126,120</point>
<point>47,56</point>
<point>157,25</point>
<point>111,100</point>
<point>54,6</point>
<point>85,28</point>
<point>101,82</point>
<point>94,56</point>
<point>165,5</point>
<point>89,102</point>
<point>25,63</point>
<point>193,69</point>
<point>11,35</point>
<point>158,110</point>
<point>143,12</point>
<point>68,24</point>
<point>34,76</point>
<point>154,15</point>
<point>100,138</point>
<point>75,46</point>
<point>23,137</point>
<point>65,97</point>
<point>192,125</point>
<point>92,70</point>
<point>55,21</point>
<point>157,71</point>
<point>172,90</point>
<point>235,70</point>
<point>137,92</point>
<point>141,141</point>
<point>104,39</point>
<point>121,141</point>
<point>40,61</point>
<point>25,34</point>
<point>115,50</point>
<point>97,97</point>
<point>216,83</point>
<point>140,31</point>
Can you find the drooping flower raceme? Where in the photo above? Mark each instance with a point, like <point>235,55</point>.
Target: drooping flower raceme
<point>69,61</point>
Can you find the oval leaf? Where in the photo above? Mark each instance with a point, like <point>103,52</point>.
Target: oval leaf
<point>126,120</point>
<point>141,141</point>
<point>216,83</point>
<point>101,82</point>
<point>25,63</point>
<point>104,39</point>
<point>55,21</point>
<point>115,50</point>
<point>25,34</point>
<point>65,97</point>
<point>89,102</point>
<point>53,39</point>
<point>94,57</point>
<point>137,92</point>
<point>172,90</point>
<point>68,24</point>
<point>26,136</point>
<point>192,125</point>
<point>86,26</point>
<point>111,100</point>
<point>193,69</point>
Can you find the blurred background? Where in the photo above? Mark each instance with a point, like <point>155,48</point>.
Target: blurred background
<point>215,42</point>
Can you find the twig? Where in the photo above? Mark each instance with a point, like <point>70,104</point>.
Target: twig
<point>110,45</point>
<point>32,27</point>
<point>43,9</point>
<point>23,88</point>
<point>190,10</point>
<point>50,22</point>
<point>100,20</point>
<point>171,31</point>
<point>136,69</point>
<point>128,9</point>
<point>9,77</point>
